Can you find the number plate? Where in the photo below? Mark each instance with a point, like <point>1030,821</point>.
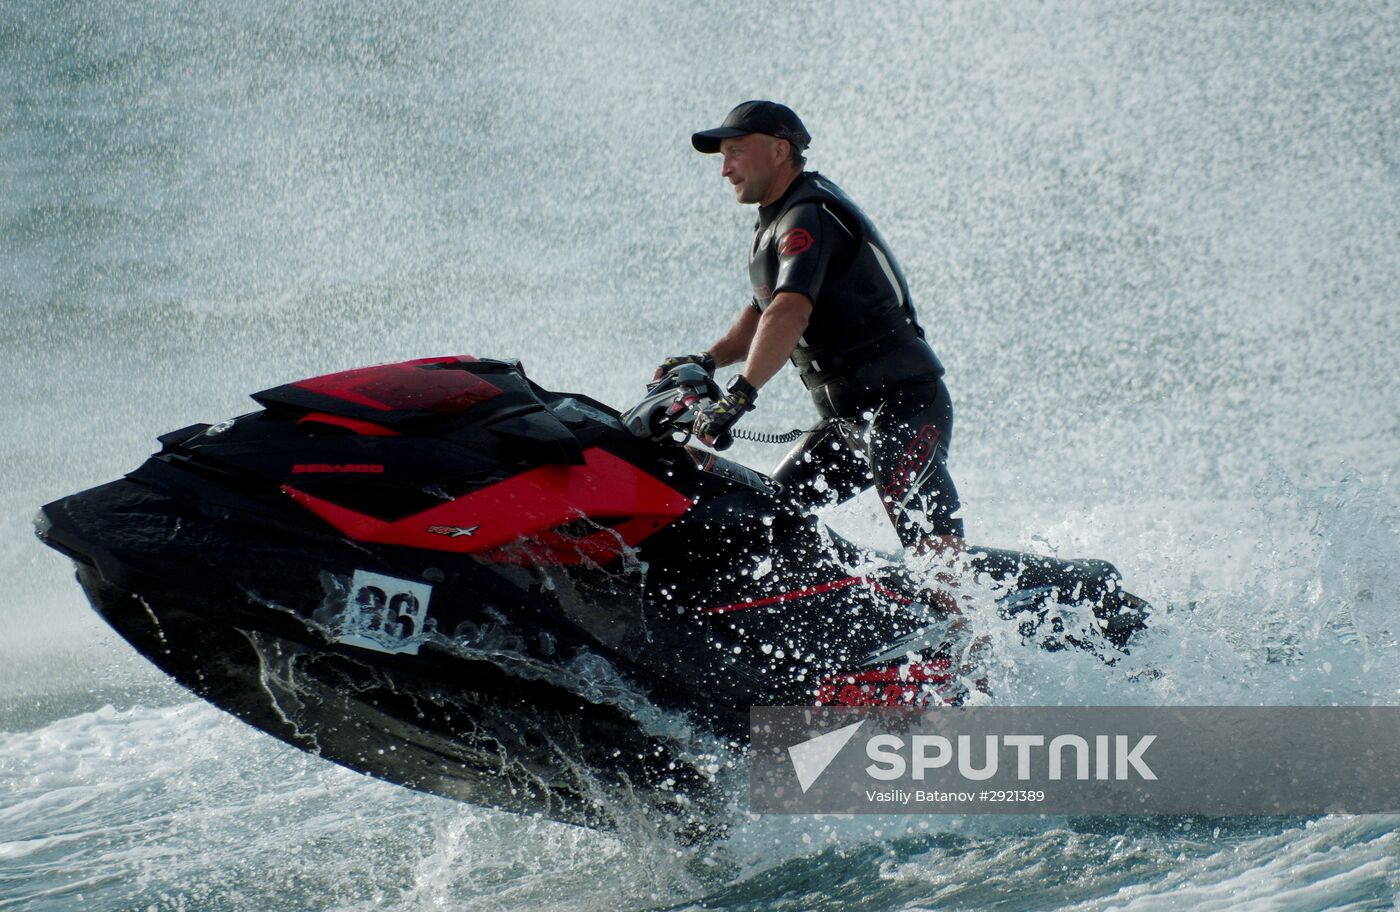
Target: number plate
<point>385,613</point>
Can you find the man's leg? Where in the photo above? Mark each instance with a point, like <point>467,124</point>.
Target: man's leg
<point>908,451</point>
<point>822,469</point>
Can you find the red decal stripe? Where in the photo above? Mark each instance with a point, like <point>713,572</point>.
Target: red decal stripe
<point>366,428</point>
<point>939,600</point>
<point>789,596</point>
<point>938,669</point>
<point>523,511</point>
<point>889,593</point>
<point>406,385</point>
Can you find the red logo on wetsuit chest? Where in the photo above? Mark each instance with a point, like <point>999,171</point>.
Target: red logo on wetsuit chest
<point>794,242</point>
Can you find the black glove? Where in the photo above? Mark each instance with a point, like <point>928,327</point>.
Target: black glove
<point>704,359</point>
<point>716,420</point>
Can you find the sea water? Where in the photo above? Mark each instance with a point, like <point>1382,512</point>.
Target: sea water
<point>1157,246</point>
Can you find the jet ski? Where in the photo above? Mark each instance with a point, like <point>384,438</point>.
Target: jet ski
<point>441,574</point>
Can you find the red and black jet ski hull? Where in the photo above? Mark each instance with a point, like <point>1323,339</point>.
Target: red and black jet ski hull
<point>442,575</point>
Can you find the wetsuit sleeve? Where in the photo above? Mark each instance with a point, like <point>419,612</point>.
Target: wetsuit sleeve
<point>808,239</point>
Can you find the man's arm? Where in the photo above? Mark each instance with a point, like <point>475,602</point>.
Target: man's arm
<point>731,347</point>
<point>778,330</point>
<point>735,343</point>
<point>773,339</point>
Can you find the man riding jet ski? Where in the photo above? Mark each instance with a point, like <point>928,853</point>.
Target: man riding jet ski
<point>828,294</point>
<point>441,574</point>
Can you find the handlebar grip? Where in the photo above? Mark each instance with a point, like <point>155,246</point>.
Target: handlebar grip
<point>724,441</point>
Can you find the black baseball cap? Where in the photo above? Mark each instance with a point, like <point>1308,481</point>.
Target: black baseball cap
<point>755,117</point>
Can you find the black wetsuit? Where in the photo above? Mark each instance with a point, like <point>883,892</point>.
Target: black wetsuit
<point>886,415</point>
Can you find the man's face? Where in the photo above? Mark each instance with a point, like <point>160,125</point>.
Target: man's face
<point>751,163</point>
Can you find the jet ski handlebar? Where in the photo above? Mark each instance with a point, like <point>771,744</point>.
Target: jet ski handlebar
<point>667,413</point>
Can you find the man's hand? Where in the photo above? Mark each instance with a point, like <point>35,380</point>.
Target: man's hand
<point>704,359</point>
<point>713,423</point>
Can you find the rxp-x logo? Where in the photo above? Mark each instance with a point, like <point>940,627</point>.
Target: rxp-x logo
<point>454,531</point>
